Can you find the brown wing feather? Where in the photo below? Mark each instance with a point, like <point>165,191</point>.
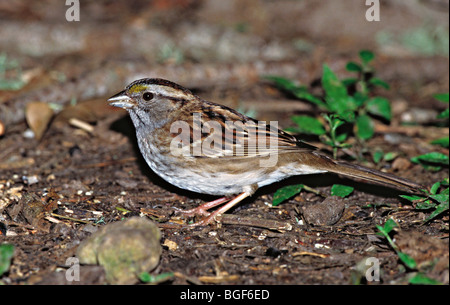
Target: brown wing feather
<point>226,133</point>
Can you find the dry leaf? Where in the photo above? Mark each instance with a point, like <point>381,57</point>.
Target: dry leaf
<point>38,116</point>
<point>170,244</point>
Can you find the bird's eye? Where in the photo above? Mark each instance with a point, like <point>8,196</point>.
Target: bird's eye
<point>147,96</point>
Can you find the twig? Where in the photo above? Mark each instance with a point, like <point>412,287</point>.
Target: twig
<point>218,279</point>
<point>312,190</point>
<point>231,219</point>
<point>310,253</point>
<point>73,219</point>
<point>81,124</point>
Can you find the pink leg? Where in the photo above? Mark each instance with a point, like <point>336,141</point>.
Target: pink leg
<point>202,209</point>
<point>212,216</point>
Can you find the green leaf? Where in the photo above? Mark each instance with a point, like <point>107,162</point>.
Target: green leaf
<point>377,156</point>
<point>443,97</point>
<point>337,98</point>
<point>425,205</point>
<point>334,121</point>
<point>341,190</point>
<point>421,279</point>
<point>380,106</point>
<point>155,279</point>
<point>6,254</point>
<point>431,168</point>
<point>389,225</point>
<point>7,64</point>
<point>380,83</point>
<point>310,98</point>
<point>439,209</point>
<point>341,137</point>
<point>347,116</point>
<point>360,98</point>
<point>282,83</point>
<point>441,141</point>
<point>366,56</point>
<point>309,125</point>
<point>390,156</point>
<point>407,260</point>
<point>349,81</point>
<point>300,92</point>
<point>380,155</point>
<point>434,188</point>
<point>294,129</point>
<point>412,198</point>
<point>364,127</point>
<point>285,193</point>
<point>11,84</point>
<point>444,114</point>
<point>432,157</point>
<point>441,198</point>
<point>353,67</point>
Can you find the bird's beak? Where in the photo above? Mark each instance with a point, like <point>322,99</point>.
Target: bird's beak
<point>121,100</point>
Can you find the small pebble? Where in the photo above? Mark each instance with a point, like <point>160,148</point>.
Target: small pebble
<point>28,134</point>
<point>30,179</point>
<point>125,249</point>
<point>325,213</point>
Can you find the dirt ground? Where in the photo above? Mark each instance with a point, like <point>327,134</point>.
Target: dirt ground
<point>56,190</point>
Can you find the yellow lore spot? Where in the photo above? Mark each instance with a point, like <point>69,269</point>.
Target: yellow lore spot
<point>137,88</point>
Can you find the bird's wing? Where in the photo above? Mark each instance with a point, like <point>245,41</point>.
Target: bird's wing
<point>221,132</point>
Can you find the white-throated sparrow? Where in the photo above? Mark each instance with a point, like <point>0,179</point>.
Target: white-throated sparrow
<point>212,149</point>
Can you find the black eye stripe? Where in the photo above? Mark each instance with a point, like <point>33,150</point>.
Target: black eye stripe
<point>147,96</point>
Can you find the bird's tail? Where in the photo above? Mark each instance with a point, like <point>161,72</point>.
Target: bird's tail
<point>371,175</point>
